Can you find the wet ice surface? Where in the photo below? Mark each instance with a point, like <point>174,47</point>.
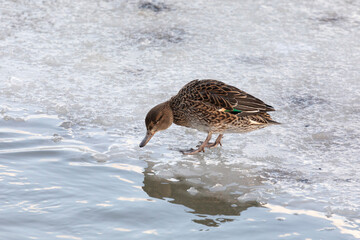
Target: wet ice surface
<point>59,185</point>
<point>78,78</point>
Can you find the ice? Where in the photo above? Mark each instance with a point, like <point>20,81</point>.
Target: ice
<point>104,64</point>
<point>192,191</point>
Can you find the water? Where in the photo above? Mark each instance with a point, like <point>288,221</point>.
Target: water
<point>77,79</point>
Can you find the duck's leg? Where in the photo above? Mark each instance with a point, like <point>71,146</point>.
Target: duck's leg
<point>217,142</point>
<point>201,147</point>
<point>214,144</point>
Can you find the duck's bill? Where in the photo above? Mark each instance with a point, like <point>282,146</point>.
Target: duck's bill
<point>146,139</point>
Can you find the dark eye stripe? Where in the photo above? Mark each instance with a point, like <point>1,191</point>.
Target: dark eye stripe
<point>159,119</point>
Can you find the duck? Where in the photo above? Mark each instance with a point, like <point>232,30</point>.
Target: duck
<point>209,106</point>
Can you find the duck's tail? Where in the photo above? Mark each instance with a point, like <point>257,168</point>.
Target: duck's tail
<point>268,119</point>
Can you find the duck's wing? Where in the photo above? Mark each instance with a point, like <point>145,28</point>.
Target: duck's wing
<point>226,97</point>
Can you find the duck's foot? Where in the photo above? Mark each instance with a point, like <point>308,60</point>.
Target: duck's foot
<point>201,148</point>
<point>214,144</point>
<point>192,151</point>
<point>210,145</point>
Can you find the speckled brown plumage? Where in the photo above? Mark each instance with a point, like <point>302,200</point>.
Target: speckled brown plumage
<point>201,104</point>
<point>210,106</point>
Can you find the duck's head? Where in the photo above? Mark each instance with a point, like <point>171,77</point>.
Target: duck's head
<point>158,118</point>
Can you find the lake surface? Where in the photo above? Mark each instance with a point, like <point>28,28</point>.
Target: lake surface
<point>77,79</point>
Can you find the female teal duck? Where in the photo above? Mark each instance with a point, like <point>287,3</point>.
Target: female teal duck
<point>210,106</point>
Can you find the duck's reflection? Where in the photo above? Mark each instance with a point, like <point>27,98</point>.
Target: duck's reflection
<point>211,207</point>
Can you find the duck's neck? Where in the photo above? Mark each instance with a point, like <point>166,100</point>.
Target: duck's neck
<point>179,115</point>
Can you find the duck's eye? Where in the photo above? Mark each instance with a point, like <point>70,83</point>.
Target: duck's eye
<point>159,119</point>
